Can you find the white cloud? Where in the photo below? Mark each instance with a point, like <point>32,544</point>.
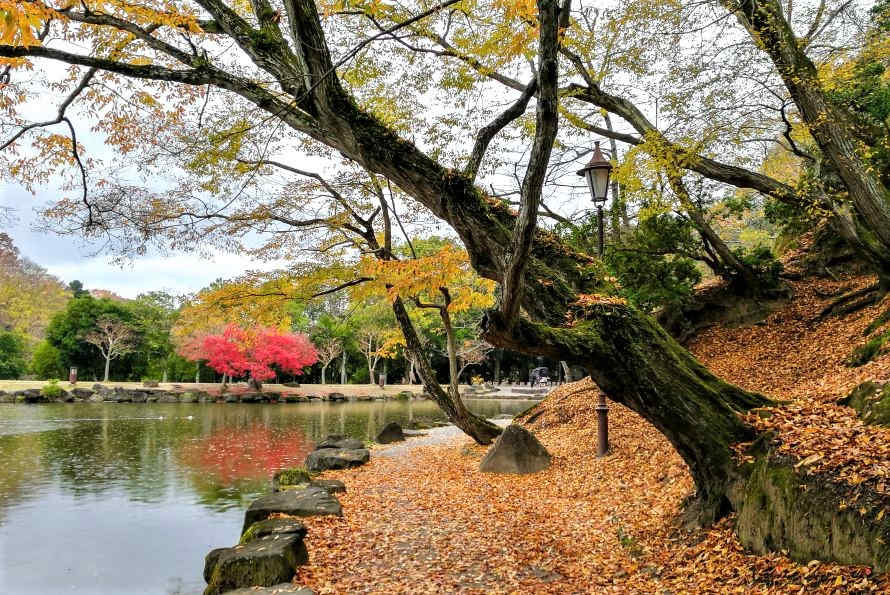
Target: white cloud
<point>183,273</point>
<point>69,258</point>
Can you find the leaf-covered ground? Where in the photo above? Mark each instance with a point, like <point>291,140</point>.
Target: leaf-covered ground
<point>430,522</point>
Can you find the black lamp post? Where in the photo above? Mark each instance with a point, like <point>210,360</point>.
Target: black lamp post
<point>597,172</point>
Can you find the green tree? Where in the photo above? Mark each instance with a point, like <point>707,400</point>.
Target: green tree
<point>12,355</point>
<point>69,329</point>
<point>76,288</point>
<point>46,362</point>
<point>154,314</point>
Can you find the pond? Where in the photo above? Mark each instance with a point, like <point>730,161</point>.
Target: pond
<point>128,498</point>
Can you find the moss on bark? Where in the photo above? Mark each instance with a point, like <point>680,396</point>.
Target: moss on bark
<point>871,400</point>
<point>809,516</point>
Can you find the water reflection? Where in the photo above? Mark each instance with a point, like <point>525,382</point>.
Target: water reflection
<point>127,498</point>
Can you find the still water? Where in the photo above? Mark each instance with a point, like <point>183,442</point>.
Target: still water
<point>128,498</point>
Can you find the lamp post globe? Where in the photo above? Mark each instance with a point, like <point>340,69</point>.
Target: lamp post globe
<point>596,173</point>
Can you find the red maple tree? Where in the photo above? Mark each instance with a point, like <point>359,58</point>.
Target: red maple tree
<point>252,352</point>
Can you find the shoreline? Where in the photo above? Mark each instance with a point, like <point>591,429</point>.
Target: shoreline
<point>99,393</point>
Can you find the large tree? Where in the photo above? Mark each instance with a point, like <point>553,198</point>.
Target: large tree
<point>273,68</point>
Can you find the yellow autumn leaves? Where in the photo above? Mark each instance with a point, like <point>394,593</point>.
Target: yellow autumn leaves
<point>423,276</point>
<point>20,22</point>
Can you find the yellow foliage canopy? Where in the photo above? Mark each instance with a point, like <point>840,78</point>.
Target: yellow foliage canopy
<point>423,276</point>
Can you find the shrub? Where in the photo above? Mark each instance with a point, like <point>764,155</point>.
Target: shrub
<point>762,261</point>
<point>47,361</point>
<point>12,355</point>
<point>52,389</point>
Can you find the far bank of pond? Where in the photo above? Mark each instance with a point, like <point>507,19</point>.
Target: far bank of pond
<point>128,498</point>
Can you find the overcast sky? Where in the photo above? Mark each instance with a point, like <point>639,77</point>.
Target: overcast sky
<point>69,258</point>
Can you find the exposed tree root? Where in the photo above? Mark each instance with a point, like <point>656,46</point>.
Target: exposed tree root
<point>854,301</point>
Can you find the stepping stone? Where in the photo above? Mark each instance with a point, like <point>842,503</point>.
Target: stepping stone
<point>290,477</point>
<point>277,526</point>
<point>333,486</point>
<point>264,562</point>
<point>298,501</point>
<point>391,432</point>
<point>336,458</point>
<point>339,442</point>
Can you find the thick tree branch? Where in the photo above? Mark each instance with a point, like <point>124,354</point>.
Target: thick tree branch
<point>485,136</point>
<point>546,122</point>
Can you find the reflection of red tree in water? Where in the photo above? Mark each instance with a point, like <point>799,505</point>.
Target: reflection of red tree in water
<point>254,452</point>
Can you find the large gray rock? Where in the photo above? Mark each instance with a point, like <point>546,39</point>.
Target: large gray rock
<point>337,458</point>
<point>82,393</point>
<point>210,561</point>
<point>339,442</point>
<point>299,478</point>
<point>391,432</point>
<point>290,477</point>
<point>168,397</point>
<point>515,451</point>
<point>264,562</point>
<point>138,396</point>
<point>29,395</point>
<point>298,501</point>
<point>120,395</point>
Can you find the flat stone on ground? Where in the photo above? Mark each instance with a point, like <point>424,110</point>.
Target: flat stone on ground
<point>290,477</point>
<point>334,486</point>
<point>276,526</point>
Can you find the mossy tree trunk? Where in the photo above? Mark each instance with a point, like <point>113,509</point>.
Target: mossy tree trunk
<point>636,363</point>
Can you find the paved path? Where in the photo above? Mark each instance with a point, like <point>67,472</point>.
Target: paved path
<point>428,438</point>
